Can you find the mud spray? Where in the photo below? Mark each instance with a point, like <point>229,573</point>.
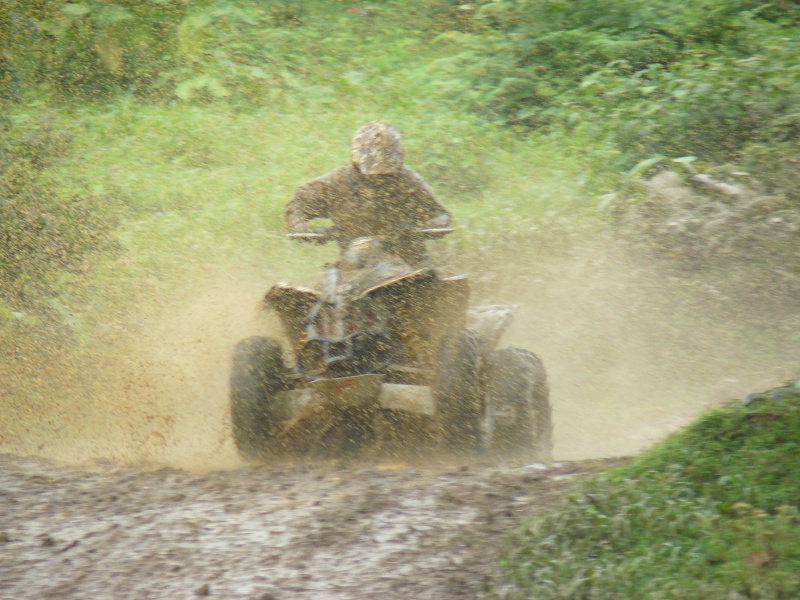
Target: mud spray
<point>636,349</point>
<point>631,355</point>
<point>155,394</point>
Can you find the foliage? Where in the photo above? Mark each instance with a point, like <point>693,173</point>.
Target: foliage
<point>211,49</point>
<point>89,48</point>
<point>717,79</point>
<point>710,513</point>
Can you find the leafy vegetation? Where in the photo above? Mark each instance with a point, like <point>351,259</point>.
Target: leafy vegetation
<point>89,49</point>
<point>715,79</point>
<point>712,512</point>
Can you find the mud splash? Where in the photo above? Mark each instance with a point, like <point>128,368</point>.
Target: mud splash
<point>156,394</point>
<point>632,354</point>
<point>635,349</point>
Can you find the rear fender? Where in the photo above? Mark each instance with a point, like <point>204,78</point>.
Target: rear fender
<point>490,321</point>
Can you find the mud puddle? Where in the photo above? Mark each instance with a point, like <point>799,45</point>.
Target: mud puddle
<point>258,532</point>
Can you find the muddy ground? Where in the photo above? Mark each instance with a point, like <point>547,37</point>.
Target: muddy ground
<point>264,532</point>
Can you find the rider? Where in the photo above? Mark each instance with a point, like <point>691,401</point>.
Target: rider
<point>375,195</point>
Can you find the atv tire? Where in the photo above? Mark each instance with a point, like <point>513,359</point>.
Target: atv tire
<point>518,399</point>
<point>458,390</point>
<point>257,376</point>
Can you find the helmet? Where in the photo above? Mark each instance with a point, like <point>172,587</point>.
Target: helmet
<point>377,149</point>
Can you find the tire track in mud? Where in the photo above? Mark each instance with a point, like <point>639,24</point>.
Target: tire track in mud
<point>263,532</point>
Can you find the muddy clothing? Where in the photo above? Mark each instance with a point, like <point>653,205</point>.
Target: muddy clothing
<point>390,207</point>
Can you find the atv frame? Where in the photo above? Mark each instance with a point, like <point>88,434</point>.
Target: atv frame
<point>384,341</point>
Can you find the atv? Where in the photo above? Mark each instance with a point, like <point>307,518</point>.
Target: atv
<point>382,342</point>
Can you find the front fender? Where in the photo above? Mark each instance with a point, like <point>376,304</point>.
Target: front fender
<point>292,304</point>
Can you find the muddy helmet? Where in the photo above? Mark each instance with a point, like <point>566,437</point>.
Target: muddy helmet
<point>377,149</point>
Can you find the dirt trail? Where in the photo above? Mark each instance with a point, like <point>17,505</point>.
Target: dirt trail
<point>263,532</point>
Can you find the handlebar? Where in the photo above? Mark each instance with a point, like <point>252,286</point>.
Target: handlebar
<point>321,237</point>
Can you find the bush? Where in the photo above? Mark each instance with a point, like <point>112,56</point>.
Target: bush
<point>90,48</point>
<point>677,78</point>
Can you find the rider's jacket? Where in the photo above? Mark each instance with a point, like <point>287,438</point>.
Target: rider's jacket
<point>388,206</point>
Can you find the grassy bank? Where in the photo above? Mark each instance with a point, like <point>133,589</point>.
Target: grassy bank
<point>711,512</point>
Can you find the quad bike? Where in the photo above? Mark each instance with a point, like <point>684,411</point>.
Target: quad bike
<point>383,341</point>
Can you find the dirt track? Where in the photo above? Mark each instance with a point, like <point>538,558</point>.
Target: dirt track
<point>262,532</point>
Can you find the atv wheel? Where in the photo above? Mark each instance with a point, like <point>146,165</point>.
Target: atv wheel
<point>256,377</point>
<point>458,391</point>
<point>518,398</point>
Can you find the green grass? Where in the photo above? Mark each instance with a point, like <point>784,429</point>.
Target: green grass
<point>711,512</point>
<point>191,185</point>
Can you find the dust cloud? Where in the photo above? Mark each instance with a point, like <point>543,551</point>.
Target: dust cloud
<point>158,394</point>
<point>632,354</point>
<point>635,348</point>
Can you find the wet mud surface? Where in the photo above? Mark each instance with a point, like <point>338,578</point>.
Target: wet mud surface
<point>264,532</point>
